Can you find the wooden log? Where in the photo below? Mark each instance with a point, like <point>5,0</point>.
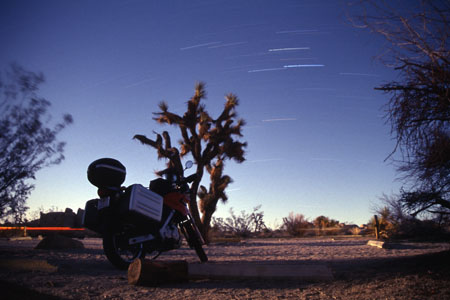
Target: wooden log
<point>151,273</point>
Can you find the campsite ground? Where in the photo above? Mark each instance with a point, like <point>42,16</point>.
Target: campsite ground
<point>409,271</point>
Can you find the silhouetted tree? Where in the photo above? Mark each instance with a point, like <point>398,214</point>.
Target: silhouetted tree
<point>397,211</point>
<point>419,107</point>
<point>27,139</point>
<point>209,141</point>
<point>429,201</point>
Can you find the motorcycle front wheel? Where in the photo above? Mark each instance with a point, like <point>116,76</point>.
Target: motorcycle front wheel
<point>119,252</point>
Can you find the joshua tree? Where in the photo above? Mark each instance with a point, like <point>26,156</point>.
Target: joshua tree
<point>209,141</point>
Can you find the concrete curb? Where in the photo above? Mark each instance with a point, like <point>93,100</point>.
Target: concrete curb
<point>307,272</point>
<point>151,273</point>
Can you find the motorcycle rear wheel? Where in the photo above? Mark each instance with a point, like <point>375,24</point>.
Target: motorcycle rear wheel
<point>119,252</point>
<point>194,241</point>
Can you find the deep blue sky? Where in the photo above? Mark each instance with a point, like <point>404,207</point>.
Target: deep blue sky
<point>305,78</point>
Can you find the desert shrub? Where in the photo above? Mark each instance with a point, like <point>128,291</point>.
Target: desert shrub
<point>387,226</point>
<point>413,228</point>
<point>395,222</point>
<point>296,224</point>
<point>326,226</point>
<point>401,226</point>
<point>243,225</point>
<point>355,231</point>
<point>324,222</point>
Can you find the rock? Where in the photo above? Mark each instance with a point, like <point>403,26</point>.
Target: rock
<point>79,218</point>
<point>377,243</point>
<point>59,242</point>
<point>56,219</point>
<point>15,264</point>
<point>69,218</point>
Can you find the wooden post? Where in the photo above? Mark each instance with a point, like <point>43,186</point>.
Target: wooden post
<point>151,273</point>
<point>377,228</point>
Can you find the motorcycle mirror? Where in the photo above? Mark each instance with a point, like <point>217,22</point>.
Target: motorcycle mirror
<point>189,164</point>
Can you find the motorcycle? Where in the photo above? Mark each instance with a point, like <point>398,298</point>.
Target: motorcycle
<point>137,221</point>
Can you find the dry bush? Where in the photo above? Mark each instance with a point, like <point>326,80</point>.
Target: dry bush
<point>355,231</point>
<point>243,225</point>
<point>407,227</point>
<point>296,224</point>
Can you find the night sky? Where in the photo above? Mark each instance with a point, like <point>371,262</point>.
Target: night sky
<point>305,77</point>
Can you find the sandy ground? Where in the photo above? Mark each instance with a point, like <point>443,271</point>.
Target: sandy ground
<point>411,271</point>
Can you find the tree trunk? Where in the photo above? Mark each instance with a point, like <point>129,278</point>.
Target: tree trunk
<point>206,225</point>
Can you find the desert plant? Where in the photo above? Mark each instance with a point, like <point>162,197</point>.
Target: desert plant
<point>296,224</point>
<point>324,222</point>
<point>210,142</point>
<point>387,224</point>
<point>242,225</point>
<point>395,222</point>
<point>355,230</point>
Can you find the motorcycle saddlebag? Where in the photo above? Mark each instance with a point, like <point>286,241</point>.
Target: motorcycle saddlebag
<point>141,205</point>
<point>91,219</point>
<point>106,172</point>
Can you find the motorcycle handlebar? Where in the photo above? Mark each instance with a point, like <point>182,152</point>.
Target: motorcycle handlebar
<point>173,177</point>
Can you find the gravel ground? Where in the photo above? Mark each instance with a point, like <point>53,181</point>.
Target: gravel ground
<point>410,271</point>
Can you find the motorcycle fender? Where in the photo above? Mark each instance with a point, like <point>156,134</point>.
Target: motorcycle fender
<point>178,202</point>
